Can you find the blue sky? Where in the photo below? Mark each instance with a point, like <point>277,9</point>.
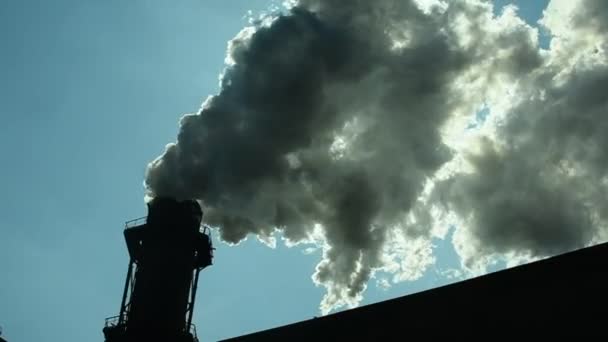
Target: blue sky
<point>90,92</point>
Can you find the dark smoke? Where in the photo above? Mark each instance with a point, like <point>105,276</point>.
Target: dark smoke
<point>334,118</point>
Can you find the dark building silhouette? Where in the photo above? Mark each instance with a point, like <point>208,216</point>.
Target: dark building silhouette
<point>565,296</point>
<point>167,251</point>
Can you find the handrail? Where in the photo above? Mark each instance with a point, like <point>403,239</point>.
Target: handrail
<point>112,321</point>
<point>136,222</point>
<point>141,220</point>
<point>192,330</point>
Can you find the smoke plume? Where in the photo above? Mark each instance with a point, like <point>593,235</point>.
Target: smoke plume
<point>351,125</point>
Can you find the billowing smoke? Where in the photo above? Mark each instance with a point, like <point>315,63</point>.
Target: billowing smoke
<point>537,185</point>
<point>351,125</point>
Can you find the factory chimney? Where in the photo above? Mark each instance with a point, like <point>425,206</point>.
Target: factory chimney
<point>167,251</point>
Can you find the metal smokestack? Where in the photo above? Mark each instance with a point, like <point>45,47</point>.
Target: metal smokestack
<point>167,251</point>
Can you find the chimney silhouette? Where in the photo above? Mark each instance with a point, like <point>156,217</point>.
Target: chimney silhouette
<point>167,251</point>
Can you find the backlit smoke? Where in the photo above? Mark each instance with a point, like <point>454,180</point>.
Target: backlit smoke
<point>351,125</point>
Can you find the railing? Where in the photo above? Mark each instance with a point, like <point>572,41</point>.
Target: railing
<point>192,331</point>
<point>112,321</point>
<point>136,222</point>
<point>206,229</point>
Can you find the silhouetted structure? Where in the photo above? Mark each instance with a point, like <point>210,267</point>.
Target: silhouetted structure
<point>563,296</point>
<point>167,252</point>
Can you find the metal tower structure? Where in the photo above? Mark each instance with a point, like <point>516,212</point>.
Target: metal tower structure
<point>167,251</point>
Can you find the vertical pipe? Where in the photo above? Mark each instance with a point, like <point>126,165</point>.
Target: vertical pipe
<point>124,294</point>
<point>192,299</point>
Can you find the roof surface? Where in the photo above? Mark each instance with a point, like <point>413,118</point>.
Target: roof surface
<point>565,294</point>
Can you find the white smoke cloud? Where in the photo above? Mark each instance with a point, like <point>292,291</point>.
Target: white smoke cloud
<point>536,187</point>
<point>347,124</point>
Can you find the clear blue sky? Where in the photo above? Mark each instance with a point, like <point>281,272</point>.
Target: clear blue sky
<point>90,91</point>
